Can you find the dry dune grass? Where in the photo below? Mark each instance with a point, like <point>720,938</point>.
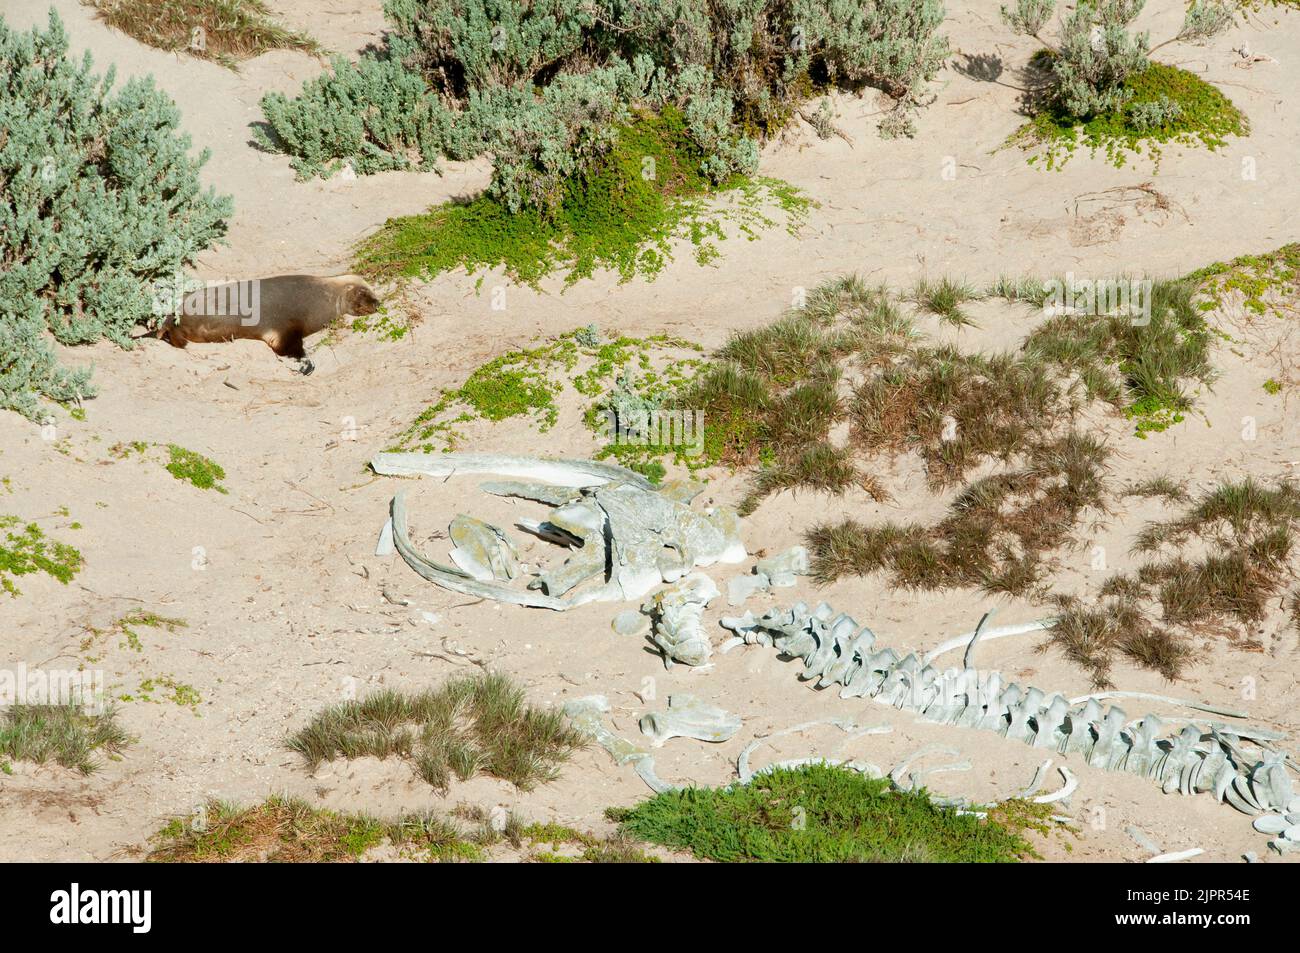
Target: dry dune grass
<point>64,734</point>
<point>225,31</point>
<point>471,724</point>
<point>290,830</point>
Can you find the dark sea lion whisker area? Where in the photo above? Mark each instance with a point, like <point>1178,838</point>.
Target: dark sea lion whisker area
<point>282,311</point>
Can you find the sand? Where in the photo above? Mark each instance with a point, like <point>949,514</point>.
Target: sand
<point>287,614</point>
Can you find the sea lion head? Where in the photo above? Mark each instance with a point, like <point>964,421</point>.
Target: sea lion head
<point>360,300</point>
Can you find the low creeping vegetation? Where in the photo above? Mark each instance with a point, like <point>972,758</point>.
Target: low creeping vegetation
<point>472,724</point>
<point>25,549</point>
<point>188,466</point>
<point>821,814</point>
<point>624,213</point>
<point>289,830</point>
<point>157,689</point>
<point>1262,284</point>
<point>126,629</point>
<point>224,31</point>
<point>195,468</point>
<point>64,734</point>
<point>620,382</point>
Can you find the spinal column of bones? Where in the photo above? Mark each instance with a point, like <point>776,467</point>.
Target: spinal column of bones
<point>1200,758</point>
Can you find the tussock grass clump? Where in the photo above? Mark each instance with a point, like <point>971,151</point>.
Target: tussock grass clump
<point>772,394</point>
<point>944,298</point>
<point>1232,514</point>
<point>1026,288</point>
<point>1245,534</point>
<point>472,724</point>
<point>956,409</point>
<point>819,814</point>
<point>996,532</point>
<point>1091,634</point>
<point>795,347</point>
<point>819,466</point>
<point>1143,364</point>
<point>25,549</point>
<point>231,30</point>
<point>64,734</point>
<point>289,830</point>
<point>1165,487</point>
<point>1248,531</point>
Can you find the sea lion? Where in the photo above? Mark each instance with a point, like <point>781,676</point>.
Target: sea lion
<point>281,311</point>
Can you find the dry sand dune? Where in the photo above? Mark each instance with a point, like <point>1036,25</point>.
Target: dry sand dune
<point>288,613</point>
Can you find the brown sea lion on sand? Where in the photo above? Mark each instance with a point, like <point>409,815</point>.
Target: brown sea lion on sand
<point>281,311</point>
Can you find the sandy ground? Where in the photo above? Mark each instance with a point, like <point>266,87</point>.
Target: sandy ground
<point>285,614</point>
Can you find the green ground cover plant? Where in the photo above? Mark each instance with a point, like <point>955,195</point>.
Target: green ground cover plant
<point>25,549</point>
<point>1265,284</point>
<point>194,468</point>
<point>616,379</point>
<point>820,814</point>
<point>624,213</point>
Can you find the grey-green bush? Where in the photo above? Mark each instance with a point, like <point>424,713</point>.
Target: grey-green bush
<point>101,201</point>
<point>465,45</point>
<point>1097,53</point>
<point>334,121</point>
<point>541,85</point>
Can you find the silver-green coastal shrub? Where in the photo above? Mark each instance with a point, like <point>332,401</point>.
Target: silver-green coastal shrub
<point>528,82</point>
<point>1096,53</point>
<point>539,141</point>
<point>465,45</point>
<point>99,202</point>
<point>375,115</point>
<point>765,52</point>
